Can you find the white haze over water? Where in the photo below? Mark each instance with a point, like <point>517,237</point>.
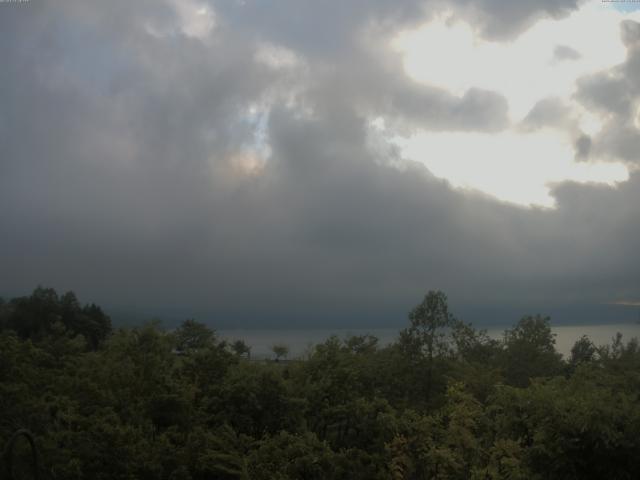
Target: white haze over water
<point>301,341</point>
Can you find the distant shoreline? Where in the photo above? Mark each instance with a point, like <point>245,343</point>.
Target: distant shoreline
<point>300,339</point>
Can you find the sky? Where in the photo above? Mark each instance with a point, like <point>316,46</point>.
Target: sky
<point>297,162</point>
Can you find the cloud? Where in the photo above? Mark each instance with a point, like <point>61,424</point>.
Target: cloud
<point>226,162</point>
<point>549,112</point>
<point>562,53</point>
<point>627,303</point>
<point>554,112</point>
<point>615,93</point>
<point>503,19</point>
<point>470,61</point>
<point>528,163</point>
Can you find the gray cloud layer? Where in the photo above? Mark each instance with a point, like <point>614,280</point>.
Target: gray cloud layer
<point>116,179</point>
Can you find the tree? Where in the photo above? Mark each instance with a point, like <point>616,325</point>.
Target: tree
<point>361,344</point>
<point>582,351</point>
<point>255,400</point>
<point>285,456</point>
<point>428,320</point>
<point>192,336</point>
<point>575,428</point>
<point>426,336</point>
<point>530,351</point>
<point>97,325</point>
<point>280,350</point>
<point>473,345</point>
<point>45,313</point>
<point>240,348</point>
<point>4,314</point>
<point>32,316</point>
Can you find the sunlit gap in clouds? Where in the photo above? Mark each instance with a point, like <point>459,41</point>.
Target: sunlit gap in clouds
<point>514,165</point>
<point>622,5</point>
<point>252,157</point>
<point>449,53</point>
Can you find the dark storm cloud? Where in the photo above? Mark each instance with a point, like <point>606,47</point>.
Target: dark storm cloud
<point>117,177</point>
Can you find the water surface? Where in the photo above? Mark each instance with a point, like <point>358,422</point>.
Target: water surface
<point>300,341</point>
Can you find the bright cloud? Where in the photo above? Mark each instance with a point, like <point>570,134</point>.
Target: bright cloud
<point>276,57</point>
<point>544,62</point>
<point>514,167</point>
<point>247,162</point>
<point>198,19</point>
<point>449,54</point>
<point>195,20</point>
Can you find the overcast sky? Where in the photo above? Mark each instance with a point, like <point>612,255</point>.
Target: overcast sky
<point>310,161</point>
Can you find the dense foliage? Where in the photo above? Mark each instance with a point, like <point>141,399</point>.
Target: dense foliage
<point>444,401</point>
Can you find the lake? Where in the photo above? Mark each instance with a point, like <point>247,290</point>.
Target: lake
<point>300,341</point>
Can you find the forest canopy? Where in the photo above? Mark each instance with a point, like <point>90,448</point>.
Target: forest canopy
<point>444,401</point>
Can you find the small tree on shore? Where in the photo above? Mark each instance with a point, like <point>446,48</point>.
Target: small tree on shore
<point>280,350</point>
<point>240,348</point>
